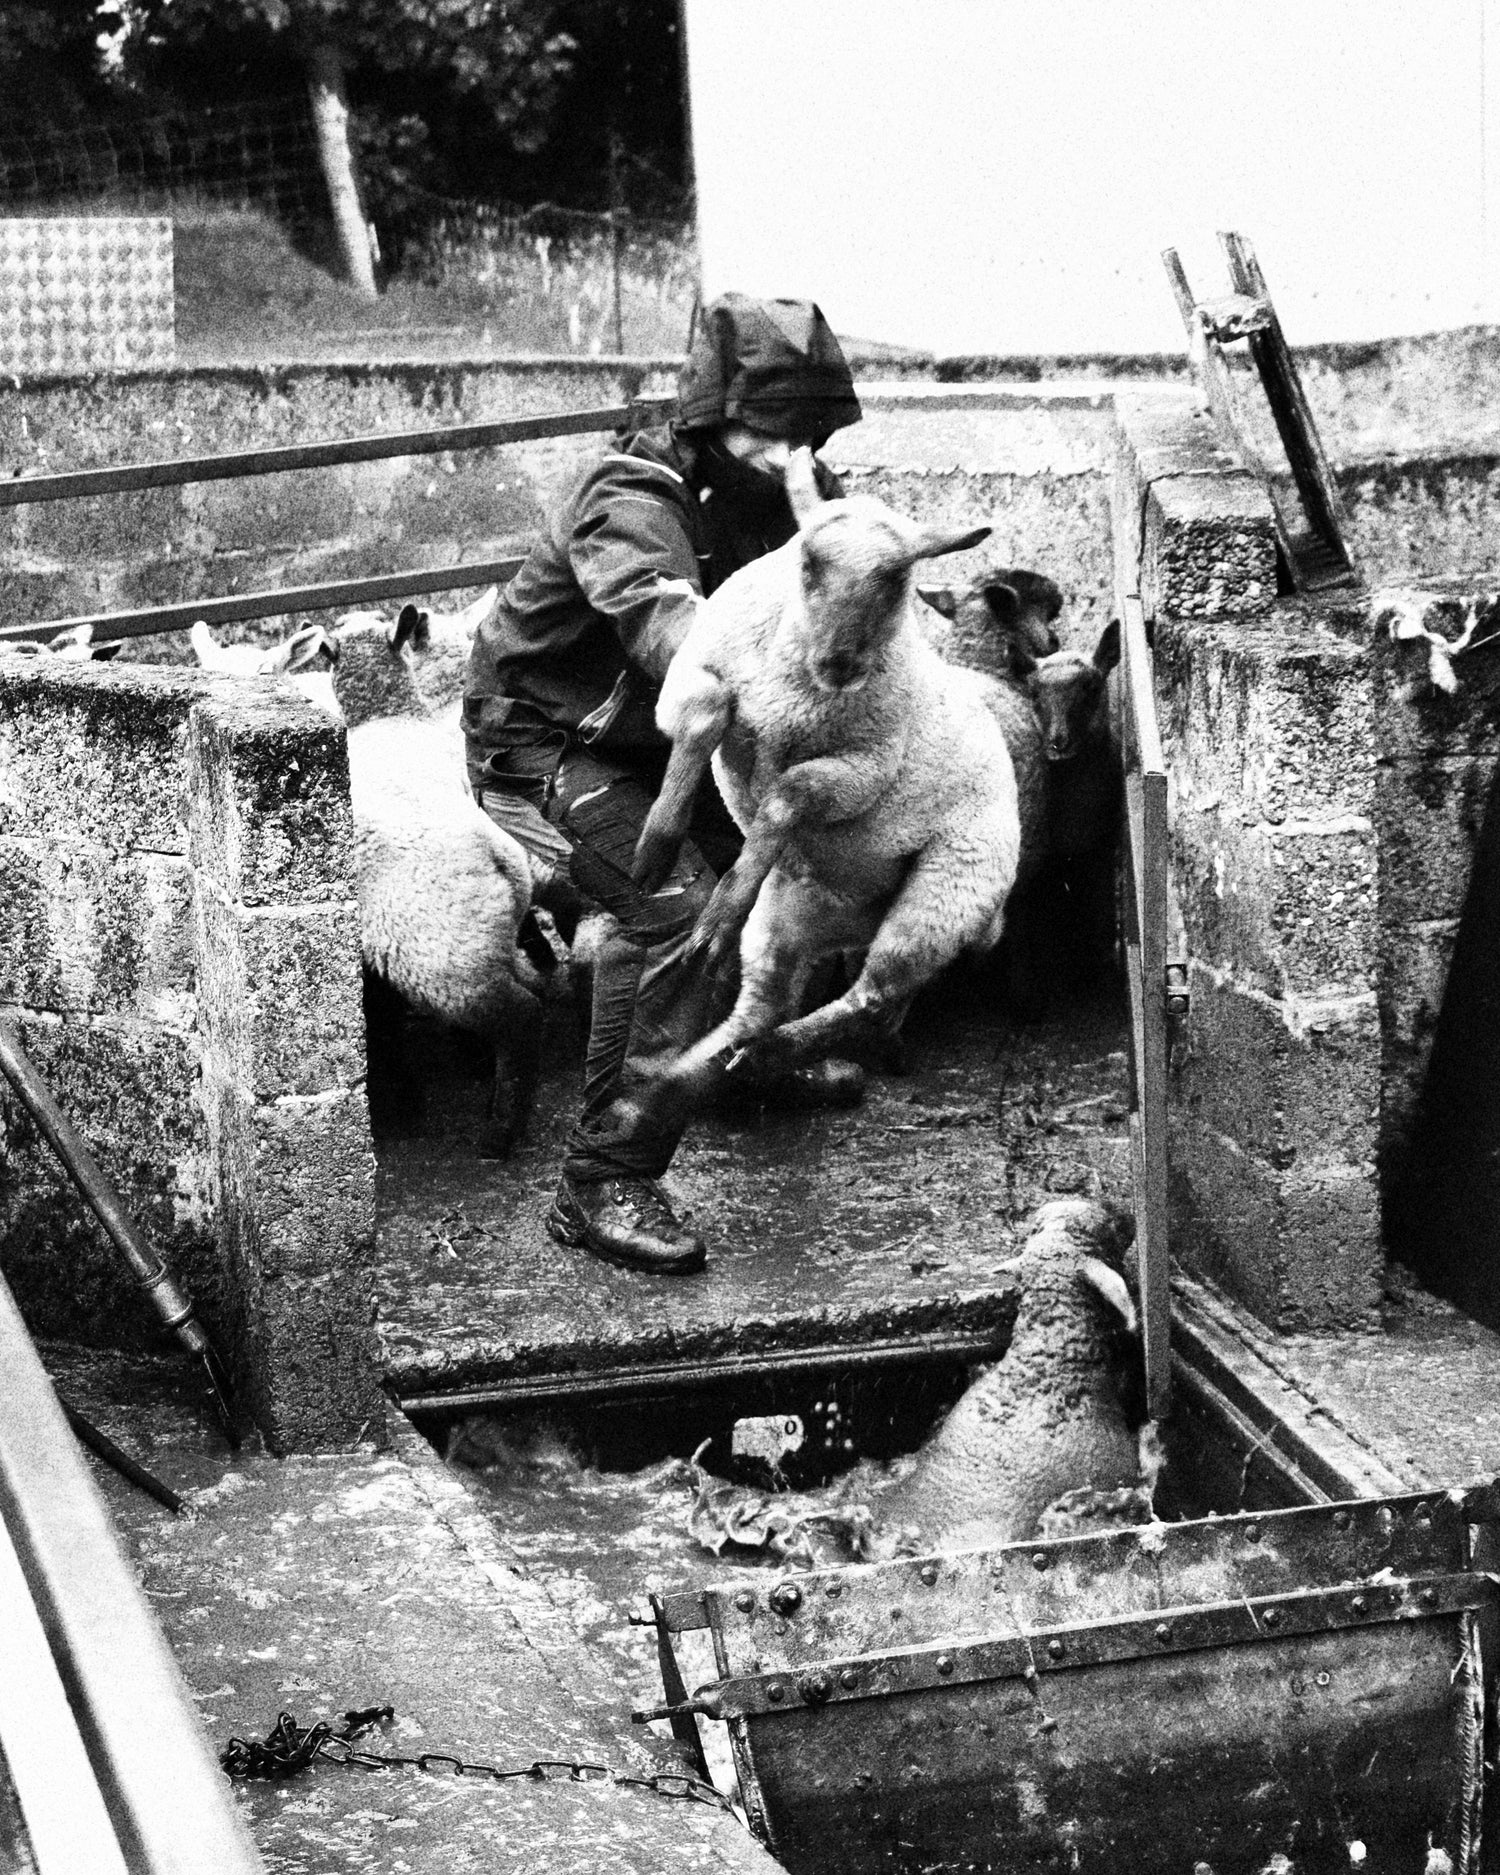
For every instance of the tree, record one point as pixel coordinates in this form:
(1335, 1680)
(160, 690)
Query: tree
(503, 57)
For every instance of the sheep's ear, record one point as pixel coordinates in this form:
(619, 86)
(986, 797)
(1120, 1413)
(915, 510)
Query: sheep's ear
(1109, 1286)
(928, 542)
(202, 640)
(308, 645)
(802, 486)
(411, 628)
(1107, 651)
(101, 654)
(942, 599)
(1003, 601)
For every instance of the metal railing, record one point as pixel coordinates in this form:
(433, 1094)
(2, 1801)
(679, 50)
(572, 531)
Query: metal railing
(102, 1745)
(145, 621)
(1145, 924)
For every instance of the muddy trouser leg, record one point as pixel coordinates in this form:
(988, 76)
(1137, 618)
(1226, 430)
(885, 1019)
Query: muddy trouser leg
(650, 1001)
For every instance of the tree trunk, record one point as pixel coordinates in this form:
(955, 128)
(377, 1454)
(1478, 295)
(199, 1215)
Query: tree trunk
(330, 108)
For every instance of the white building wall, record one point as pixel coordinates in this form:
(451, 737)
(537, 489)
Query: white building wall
(1001, 175)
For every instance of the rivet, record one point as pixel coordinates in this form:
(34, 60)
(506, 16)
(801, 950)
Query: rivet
(1324, 1679)
(944, 1664)
(833, 1589)
(1357, 1603)
(1424, 1518)
(786, 1598)
(815, 1688)
(929, 1573)
(744, 1601)
(775, 1692)
(848, 1679)
(1428, 1598)
(1252, 1532)
(1039, 1560)
(1341, 1520)
(1056, 1649)
(1164, 1630)
(1272, 1618)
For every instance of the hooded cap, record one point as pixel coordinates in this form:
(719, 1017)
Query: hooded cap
(773, 364)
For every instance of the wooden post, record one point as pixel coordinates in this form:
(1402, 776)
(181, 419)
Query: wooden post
(330, 109)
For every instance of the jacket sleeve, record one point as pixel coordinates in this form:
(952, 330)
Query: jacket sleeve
(634, 558)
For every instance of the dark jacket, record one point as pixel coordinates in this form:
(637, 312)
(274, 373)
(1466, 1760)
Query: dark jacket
(583, 634)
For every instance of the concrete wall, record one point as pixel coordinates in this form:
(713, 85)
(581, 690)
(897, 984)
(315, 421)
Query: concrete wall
(1326, 803)
(179, 952)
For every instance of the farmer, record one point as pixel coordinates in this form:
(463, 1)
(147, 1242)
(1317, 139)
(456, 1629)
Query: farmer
(564, 753)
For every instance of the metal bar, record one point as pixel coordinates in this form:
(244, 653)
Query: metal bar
(1147, 837)
(102, 1446)
(624, 1383)
(1316, 489)
(130, 477)
(171, 1305)
(1252, 1620)
(320, 598)
(171, 1809)
(67, 1826)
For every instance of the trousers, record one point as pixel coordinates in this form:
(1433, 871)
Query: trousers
(650, 1000)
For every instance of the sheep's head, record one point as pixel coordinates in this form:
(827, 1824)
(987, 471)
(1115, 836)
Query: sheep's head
(1020, 606)
(410, 666)
(856, 562)
(1078, 1244)
(1067, 690)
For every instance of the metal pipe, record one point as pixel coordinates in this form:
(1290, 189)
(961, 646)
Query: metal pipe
(167, 1799)
(78, 1162)
(102, 1446)
(130, 477)
(149, 620)
(679, 1376)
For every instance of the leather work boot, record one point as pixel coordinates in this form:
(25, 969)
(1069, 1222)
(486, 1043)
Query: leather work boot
(627, 1221)
(832, 1082)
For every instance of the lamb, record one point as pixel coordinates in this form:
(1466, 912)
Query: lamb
(297, 657)
(1010, 601)
(380, 678)
(873, 784)
(1047, 1424)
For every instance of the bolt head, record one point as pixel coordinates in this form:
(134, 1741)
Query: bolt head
(1357, 1603)
(848, 1679)
(1039, 1560)
(744, 1601)
(1272, 1618)
(1164, 1631)
(1428, 1598)
(816, 1687)
(786, 1598)
(775, 1692)
(1056, 1649)
(944, 1664)
(929, 1573)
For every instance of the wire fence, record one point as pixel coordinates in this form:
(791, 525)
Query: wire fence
(261, 154)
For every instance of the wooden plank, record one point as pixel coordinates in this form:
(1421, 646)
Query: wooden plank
(127, 478)
(150, 620)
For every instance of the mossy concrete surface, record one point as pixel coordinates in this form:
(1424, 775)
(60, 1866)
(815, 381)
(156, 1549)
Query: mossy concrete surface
(317, 1585)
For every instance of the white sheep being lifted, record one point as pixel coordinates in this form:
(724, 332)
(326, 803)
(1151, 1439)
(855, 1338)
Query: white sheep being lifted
(873, 785)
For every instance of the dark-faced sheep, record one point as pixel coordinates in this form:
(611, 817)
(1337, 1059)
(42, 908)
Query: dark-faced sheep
(1006, 604)
(873, 784)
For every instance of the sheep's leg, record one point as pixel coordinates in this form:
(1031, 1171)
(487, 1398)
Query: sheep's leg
(827, 789)
(694, 710)
(936, 914)
(518, 1064)
(792, 923)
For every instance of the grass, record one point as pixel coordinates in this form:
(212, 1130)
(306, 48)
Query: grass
(247, 291)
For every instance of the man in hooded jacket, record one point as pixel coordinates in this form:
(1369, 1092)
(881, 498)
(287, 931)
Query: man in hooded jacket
(563, 749)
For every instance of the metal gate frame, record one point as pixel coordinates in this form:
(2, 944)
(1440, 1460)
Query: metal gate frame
(179, 472)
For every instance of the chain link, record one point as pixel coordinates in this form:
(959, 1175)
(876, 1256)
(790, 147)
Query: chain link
(289, 1748)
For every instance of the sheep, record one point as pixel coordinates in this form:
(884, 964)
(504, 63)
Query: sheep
(1012, 601)
(295, 657)
(873, 784)
(73, 646)
(442, 890)
(1045, 1424)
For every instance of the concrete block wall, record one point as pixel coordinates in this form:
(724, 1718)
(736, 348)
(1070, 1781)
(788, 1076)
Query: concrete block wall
(179, 952)
(1268, 725)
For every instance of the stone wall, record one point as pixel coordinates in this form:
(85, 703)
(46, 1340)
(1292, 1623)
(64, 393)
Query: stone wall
(179, 953)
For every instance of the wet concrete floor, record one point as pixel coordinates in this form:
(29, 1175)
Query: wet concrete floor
(828, 1231)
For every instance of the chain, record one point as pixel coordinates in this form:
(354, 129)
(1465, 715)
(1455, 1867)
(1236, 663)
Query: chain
(289, 1748)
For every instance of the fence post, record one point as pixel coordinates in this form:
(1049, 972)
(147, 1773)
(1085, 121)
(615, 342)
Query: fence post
(330, 109)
